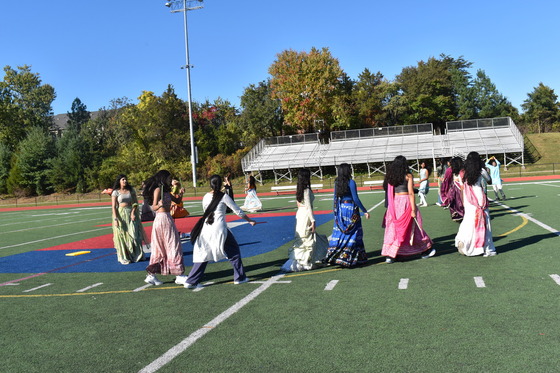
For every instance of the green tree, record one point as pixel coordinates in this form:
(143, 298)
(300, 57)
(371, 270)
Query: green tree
(490, 103)
(261, 115)
(371, 94)
(429, 90)
(24, 103)
(78, 115)
(306, 85)
(29, 175)
(542, 110)
(5, 158)
(67, 168)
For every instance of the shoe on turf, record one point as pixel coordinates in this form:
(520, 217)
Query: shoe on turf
(439, 204)
(152, 279)
(389, 260)
(490, 253)
(181, 279)
(193, 286)
(430, 254)
(241, 281)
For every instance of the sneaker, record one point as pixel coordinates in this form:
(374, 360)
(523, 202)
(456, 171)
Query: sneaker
(152, 279)
(389, 260)
(490, 253)
(430, 254)
(241, 281)
(181, 279)
(193, 286)
(439, 204)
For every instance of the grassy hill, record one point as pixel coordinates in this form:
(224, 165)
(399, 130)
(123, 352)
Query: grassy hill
(547, 145)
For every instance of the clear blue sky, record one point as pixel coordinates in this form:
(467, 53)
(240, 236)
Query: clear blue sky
(105, 49)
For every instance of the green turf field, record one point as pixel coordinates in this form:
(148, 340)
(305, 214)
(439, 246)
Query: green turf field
(448, 313)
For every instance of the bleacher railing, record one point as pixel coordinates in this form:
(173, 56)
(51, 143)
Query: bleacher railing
(409, 129)
(292, 139)
(474, 124)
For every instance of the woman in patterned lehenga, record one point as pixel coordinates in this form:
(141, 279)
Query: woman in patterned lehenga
(346, 246)
(167, 254)
(454, 190)
(309, 248)
(404, 235)
(128, 232)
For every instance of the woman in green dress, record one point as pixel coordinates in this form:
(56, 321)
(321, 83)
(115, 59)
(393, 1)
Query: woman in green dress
(128, 232)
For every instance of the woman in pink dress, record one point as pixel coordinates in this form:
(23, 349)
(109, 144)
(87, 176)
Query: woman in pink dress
(166, 252)
(404, 235)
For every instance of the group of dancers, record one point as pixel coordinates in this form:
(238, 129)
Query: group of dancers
(463, 191)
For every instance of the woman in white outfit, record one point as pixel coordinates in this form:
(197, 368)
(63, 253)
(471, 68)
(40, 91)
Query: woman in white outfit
(475, 232)
(309, 248)
(424, 187)
(212, 240)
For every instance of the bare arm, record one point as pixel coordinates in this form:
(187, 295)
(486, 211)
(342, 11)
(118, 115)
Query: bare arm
(409, 179)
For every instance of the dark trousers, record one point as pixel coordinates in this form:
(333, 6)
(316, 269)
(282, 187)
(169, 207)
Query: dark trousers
(234, 256)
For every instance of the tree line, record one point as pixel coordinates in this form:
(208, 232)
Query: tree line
(306, 92)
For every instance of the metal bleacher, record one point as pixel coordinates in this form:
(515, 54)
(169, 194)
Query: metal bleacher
(376, 146)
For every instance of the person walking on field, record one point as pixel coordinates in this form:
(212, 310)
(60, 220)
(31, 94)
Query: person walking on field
(404, 235)
(494, 166)
(212, 240)
(424, 187)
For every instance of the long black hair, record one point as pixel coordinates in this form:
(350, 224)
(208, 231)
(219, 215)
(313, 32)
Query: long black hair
(117, 183)
(208, 216)
(456, 165)
(162, 179)
(343, 178)
(473, 168)
(303, 182)
(252, 182)
(396, 172)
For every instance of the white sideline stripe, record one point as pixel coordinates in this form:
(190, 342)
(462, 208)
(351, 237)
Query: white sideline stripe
(479, 281)
(191, 339)
(53, 238)
(331, 284)
(89, 287)
(38, 287)
(403, 284)
(142, 288)
(556, 278)
(376, 206)
(537, 222)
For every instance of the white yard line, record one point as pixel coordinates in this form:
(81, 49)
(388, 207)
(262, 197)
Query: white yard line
(89, 287)
(537, 222)
(203, 285)
(54, 238)
(556, 278)
(179, 348)
(35, 227)
(479, 281)
(141, 288)
(331, 284)
(38, 287)
(403, 284)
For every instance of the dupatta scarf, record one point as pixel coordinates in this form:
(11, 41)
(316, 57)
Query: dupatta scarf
(404, 223)
(480, 218)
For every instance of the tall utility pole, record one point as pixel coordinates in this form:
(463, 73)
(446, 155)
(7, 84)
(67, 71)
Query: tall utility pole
(184, 6)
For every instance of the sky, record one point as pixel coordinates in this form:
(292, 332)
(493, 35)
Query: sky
(102, 50)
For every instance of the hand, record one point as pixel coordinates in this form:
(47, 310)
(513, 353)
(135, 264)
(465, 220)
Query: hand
(313, 227)
(132, 217)
(366, 215)
(413, 214)
(252, 222)
(116, 221)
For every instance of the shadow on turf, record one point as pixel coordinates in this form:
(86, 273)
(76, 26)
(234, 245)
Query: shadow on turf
(522, 242)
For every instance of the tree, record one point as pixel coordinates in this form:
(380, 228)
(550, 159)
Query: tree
(5, 158)
(489, 102)
(24, 103)
(542, 109)
(306, 84)
(370, 94)
(29, 175)
(429, 90)
(78, 116)
(262, 115)
(67, 168)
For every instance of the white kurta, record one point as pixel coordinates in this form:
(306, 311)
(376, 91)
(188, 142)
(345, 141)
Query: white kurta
(465, 239)
(309, 247)
(209, 246)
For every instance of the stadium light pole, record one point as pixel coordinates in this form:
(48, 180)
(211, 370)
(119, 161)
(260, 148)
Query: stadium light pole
(184, 6)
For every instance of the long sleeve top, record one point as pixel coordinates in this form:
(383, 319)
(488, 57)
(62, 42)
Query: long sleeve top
(494, 172)
(352, 195)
